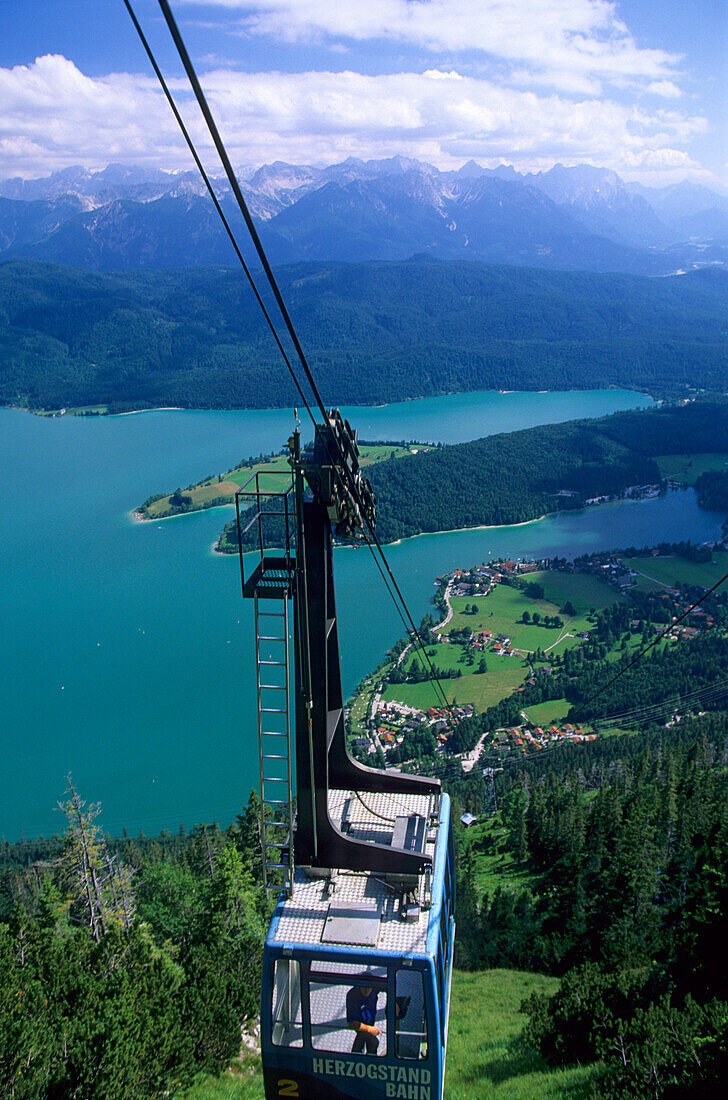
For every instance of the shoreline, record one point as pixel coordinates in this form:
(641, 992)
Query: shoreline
(55, 413)
(479, 527)
(157, 409)
(419, 535)
(138, 518)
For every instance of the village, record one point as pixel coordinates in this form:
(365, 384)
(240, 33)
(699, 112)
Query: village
(536, 612)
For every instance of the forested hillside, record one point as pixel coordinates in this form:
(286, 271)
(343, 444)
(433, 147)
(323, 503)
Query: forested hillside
(607, 867)
(514, 477)
(127, 966)
(503, 479)
(518, 476)
(624, 845)
(374, 332)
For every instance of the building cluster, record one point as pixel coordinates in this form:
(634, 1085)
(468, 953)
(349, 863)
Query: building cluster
(390, 721)
(632, 492)
(608, 567)
(486, 640)
(479, 580)
(526, 737)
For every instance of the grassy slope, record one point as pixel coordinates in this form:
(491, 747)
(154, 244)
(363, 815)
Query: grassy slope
(656, 573)
(582, 589)
(482, 691)
(546, 714)
(500, 612)
(688, 468)
(483, 1061)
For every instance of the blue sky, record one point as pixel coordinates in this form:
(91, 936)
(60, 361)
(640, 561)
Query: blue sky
(639, 86)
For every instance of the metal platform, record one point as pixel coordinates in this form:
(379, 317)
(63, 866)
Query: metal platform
(306, 918)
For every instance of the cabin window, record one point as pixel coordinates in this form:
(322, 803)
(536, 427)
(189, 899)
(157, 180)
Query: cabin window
(287, 1023)
(444, 931)
(448, 887)
(337, 1008)
(410, 1019)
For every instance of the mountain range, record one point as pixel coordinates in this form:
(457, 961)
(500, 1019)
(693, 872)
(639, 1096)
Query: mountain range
(579, 218)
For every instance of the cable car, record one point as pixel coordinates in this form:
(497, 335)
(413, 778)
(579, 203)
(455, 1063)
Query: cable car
(358, 958)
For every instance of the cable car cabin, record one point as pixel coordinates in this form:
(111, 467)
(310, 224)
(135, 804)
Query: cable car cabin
(357, 963)
(348, 950)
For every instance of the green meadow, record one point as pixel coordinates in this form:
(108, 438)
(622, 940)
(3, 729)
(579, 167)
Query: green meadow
(501, 612)
(550, 713)
(485, 1060)
(688, 468)
(583, 590)
(655, 573)
(483, 690)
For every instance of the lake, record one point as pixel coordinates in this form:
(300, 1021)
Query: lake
(126, 654)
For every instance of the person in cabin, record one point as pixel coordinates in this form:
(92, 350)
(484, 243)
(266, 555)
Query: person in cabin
(361, 1015)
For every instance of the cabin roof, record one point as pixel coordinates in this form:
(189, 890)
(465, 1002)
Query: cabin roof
(306, 918)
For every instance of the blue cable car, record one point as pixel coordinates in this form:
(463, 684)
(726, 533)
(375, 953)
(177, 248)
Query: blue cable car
(358, 959)
(346, 931)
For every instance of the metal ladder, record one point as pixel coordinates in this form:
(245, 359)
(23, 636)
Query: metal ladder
(272, 674)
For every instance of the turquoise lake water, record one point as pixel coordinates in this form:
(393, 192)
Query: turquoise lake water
(126, 649)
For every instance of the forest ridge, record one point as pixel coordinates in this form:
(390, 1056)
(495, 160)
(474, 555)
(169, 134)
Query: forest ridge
(373, 332)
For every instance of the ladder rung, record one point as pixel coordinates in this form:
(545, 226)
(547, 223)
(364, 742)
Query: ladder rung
(268, 649)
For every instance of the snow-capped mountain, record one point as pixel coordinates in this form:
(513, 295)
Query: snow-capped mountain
(579, 217)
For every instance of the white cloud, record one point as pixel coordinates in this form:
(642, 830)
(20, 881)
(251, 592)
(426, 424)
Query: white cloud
(665, 88)
(52, 115)
(574, 44)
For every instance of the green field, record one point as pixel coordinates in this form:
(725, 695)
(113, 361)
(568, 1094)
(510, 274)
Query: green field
(657, 573)
(501, 612)
(482, 691)
(484, 1058)
(369, 453)
(222, 488)
(582, 589)
(688, 468)
(544, 714)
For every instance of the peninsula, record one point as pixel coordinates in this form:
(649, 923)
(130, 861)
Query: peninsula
(220, 489)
